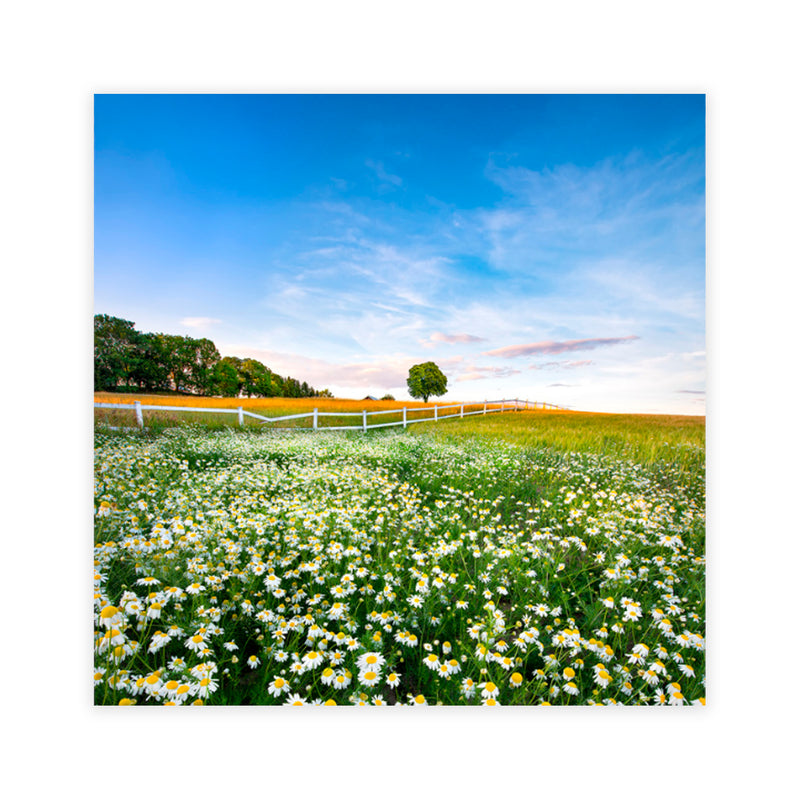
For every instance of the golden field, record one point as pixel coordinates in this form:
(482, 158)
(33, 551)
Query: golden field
(265, 406)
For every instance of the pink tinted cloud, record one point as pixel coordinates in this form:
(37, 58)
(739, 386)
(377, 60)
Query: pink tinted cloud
(553, 348)
(479, 373)
(562, 364)
(388, 372)
(320, 373)
(437, 337)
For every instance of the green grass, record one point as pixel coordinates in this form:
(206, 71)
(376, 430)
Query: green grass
(540, 571)
(645, 439)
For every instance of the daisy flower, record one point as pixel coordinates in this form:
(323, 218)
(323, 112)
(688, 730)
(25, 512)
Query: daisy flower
(488, 689)
(195, 643)
(342, 679)
(158, 640)
(327, 676)
(368, 678)
(312, 660)
(294, 700)
(431, 661)
(278, 687)
(419, 700)
(205, 687)
(676, 699)
(687, 670)
(602, 678)
(111, 617)
(370, 661)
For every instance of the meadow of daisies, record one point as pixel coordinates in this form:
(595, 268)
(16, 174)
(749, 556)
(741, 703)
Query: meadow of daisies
(242, 568)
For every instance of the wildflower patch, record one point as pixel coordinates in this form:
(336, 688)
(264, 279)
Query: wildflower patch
(236, 568)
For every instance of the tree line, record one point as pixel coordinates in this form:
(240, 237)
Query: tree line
(129, 360)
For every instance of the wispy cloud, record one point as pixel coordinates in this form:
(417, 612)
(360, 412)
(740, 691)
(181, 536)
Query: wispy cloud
(473, 373)
(437, 337)
(382, 174)
(562, 364)
(200, 322)
(320, 373)
(553, 348)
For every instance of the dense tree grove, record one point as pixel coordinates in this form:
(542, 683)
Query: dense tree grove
(128, 360)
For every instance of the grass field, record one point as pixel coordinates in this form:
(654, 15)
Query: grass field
(525, 559)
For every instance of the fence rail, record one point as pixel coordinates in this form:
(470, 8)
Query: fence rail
(486, 407)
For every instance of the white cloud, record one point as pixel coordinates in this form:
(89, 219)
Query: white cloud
(437, 337)
(200, 322)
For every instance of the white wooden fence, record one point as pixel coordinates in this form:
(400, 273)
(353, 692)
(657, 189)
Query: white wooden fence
(487, 407)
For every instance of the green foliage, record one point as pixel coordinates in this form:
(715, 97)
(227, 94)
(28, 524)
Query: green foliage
(116, 344)
(426, 380)
(127, 359)
(226, 377)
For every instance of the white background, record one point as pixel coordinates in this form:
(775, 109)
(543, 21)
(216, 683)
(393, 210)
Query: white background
(54, 56)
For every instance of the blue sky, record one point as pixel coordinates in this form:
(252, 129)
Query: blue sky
(549, 247)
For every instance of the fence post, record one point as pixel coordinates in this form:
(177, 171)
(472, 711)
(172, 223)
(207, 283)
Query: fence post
(484, 406)
(139, 418)
(316, 411)
(365, 420)
(436, 413)
(405, 423)
(462, 411)
(241, 417)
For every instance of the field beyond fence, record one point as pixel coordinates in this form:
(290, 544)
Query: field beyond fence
(125, 410)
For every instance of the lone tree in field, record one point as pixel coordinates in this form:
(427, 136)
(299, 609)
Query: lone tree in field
(425, 380)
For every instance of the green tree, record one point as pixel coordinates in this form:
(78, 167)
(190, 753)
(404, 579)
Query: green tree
(426, 380)
(116, 352)
(226, 377)
(152, 371)
(291, 387)
(189, 363)
(257, 378)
